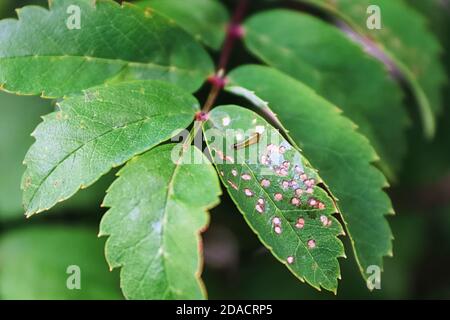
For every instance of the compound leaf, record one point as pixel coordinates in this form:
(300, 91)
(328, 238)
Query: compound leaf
(158, 206)
(337, 69)
(50, 52)
(206, 20)
(342, 156)
(94, 132)
(281, 196)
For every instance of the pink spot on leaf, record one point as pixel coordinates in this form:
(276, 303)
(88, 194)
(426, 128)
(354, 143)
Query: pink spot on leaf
(295, 202)
(300, 223)
(265, 183)
(312, 202)
(248, 192)
(278, 197)
(324, 220)
(276, 221)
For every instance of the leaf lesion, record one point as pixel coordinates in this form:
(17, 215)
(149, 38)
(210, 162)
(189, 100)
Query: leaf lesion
(310, 243)
(279, 189)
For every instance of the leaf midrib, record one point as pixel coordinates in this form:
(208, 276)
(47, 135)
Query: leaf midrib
(169, 194)
(124, 126)
(147, 65)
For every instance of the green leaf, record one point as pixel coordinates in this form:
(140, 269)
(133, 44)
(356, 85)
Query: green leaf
(34, 264)
(206, 20)
(158, 209)
(19, 115)
(436, 14)
(39, 54)
(281, 196)
(342, 156)
(94, 132)
(321, 56)
(407, 41)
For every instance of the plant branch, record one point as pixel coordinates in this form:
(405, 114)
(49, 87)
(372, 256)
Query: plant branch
(234, 32)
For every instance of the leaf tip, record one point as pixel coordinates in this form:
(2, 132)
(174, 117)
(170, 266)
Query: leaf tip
(29, 214)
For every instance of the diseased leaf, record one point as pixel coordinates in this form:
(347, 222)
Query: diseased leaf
(94, 132)
(38, 263)
(407, 41)
(342, 156)
(158, 206)
(206, 20)
(337, 69)
(40, 54)
(281, 196)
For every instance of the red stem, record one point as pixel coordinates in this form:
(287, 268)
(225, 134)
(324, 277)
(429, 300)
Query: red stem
(234, 32)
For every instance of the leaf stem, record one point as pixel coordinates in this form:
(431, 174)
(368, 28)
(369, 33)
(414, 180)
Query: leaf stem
(234, 32)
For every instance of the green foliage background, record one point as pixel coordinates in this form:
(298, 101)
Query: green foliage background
(34, 256)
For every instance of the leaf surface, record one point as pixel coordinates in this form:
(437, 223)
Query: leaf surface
(280, 195)
(337, 69)
(414, 49)
(158, 209)
(40, 54)
(342, 156)
(99, 130)
(206, 20)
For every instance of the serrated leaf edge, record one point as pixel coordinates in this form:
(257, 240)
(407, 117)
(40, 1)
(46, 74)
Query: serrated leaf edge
(374, 158)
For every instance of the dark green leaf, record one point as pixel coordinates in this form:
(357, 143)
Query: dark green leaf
(206, 20)
(20, 115)
(157, 212)
(338, 69)
(281, 196)
(408, 41)
(342, 156)
(94, 132)
(39, 54)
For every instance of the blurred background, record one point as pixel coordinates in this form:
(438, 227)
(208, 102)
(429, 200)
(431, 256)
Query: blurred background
(35, 253)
